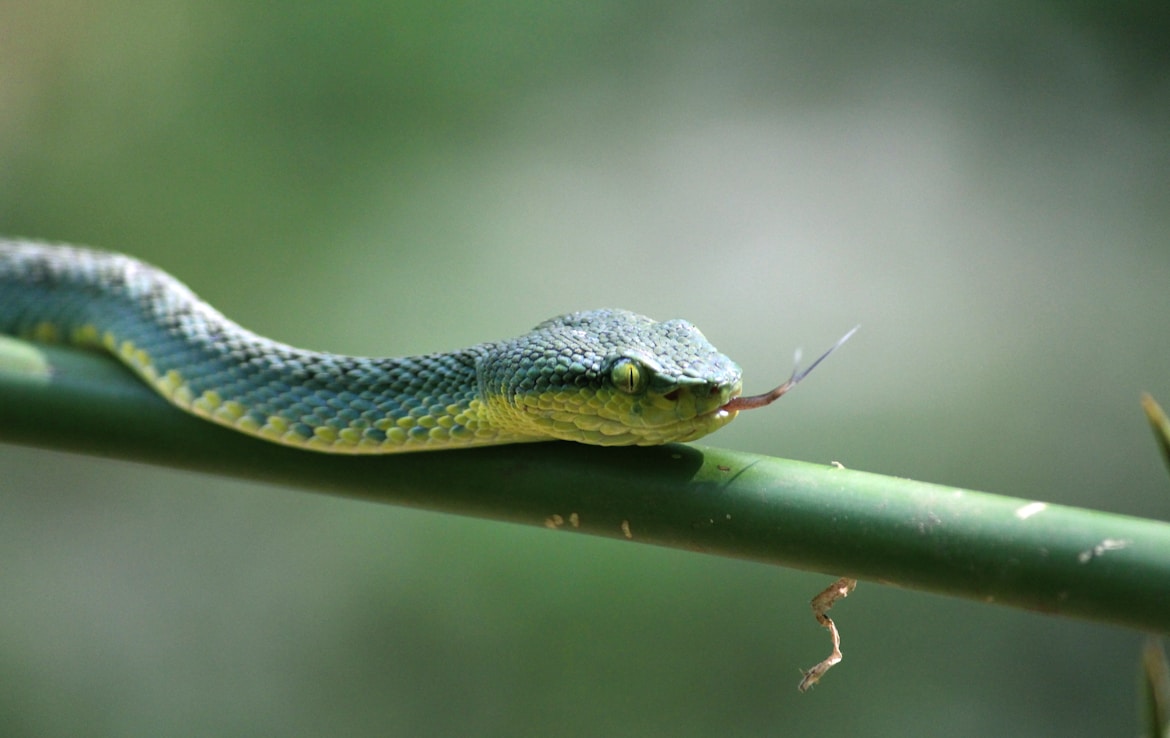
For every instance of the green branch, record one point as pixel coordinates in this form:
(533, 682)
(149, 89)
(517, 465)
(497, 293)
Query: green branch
(1049, 558)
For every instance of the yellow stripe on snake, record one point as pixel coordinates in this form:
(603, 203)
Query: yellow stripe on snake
(607, 377)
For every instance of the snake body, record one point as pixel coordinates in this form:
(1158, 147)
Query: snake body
(607, 377)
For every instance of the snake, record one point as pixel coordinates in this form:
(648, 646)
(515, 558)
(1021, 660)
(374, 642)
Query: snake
(603, 377)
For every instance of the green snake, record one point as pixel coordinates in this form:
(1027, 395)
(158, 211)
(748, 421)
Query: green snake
(606, 377)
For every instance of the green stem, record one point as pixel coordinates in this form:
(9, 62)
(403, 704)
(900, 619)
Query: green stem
(1048, 558)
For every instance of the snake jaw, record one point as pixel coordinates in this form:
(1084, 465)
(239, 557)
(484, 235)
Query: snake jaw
(727, 395)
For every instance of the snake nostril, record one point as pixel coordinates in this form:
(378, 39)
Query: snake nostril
(673, 395)
(714, 390)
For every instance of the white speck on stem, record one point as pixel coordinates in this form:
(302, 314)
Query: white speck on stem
(1031, 509)
(1102, 548)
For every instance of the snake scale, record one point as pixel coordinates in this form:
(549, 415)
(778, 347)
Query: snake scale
(607, 377)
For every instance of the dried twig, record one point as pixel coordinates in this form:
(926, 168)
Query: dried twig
(820, 605)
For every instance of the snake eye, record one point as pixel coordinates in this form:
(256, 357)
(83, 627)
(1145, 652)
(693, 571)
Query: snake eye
(628, 375)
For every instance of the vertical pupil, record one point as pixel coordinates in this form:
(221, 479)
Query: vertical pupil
(626, 376)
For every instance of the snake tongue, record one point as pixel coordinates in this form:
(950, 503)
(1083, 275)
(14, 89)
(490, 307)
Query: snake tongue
(751, 402)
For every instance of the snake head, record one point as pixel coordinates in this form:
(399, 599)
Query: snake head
(609, 377)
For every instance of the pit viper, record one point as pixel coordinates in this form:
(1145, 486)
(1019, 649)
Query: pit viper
(606, 377)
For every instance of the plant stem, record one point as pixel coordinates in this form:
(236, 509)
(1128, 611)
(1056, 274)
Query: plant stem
(1032, 555)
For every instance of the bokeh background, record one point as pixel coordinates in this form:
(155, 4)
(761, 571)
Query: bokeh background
(983, 187)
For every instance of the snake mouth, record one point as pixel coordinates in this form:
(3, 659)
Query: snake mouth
(718, 413)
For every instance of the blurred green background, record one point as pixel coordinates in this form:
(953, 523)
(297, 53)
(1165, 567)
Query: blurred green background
(985, 189)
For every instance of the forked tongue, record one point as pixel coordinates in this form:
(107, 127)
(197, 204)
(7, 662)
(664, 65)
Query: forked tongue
(754, 401)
